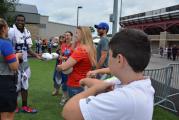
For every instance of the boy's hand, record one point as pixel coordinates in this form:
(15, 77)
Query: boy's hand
(91, 74)
(89, 82)
(103, 86)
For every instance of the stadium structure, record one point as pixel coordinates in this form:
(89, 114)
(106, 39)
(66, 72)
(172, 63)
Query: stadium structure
(162, 25)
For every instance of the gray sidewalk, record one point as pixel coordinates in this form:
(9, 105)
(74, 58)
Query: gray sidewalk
(157, 62)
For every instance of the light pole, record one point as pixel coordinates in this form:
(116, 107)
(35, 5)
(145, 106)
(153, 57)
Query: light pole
(120, 15)
(79, 7)
(115, 17)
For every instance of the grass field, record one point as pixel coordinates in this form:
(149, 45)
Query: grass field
(41, 86)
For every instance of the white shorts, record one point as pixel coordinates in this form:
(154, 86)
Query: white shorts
(23, 79)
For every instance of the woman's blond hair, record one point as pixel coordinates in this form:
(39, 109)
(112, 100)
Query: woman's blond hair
(3, 24)
(87, 41)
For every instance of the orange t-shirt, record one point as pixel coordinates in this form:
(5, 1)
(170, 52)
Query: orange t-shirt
(81, 68)
(64, 47)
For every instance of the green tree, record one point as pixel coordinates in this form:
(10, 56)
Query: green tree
(7, 5)
(10, 20)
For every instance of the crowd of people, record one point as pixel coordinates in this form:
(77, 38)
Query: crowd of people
(171, 52)
(45, 45)
(79, 71)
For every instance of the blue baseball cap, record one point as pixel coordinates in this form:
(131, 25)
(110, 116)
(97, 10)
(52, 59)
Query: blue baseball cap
(102, 25)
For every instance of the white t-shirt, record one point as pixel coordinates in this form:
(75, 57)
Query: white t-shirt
(127, 102)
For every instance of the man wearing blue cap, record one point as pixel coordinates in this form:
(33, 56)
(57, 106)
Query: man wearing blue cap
(102, 48)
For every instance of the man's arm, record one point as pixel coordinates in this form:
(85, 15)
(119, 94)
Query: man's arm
(102, 59)
(104, 52)
(33, 53)
(71, 110)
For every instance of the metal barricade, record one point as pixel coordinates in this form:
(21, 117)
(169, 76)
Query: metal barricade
(161, 81)
(174, 86)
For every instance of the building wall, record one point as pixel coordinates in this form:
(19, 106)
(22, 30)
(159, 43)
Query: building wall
(154, 47)
(34, 30)
(56, 29)
(51, 29)
(164, 40)
(43, 27)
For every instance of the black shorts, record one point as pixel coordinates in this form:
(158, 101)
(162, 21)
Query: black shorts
(8, 94)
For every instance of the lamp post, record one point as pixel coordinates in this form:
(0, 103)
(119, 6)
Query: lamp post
(79, 7)
(120, 15)
(115, 17)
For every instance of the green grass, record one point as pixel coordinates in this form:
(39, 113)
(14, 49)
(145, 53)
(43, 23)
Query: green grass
(161, 114)
(41, 86)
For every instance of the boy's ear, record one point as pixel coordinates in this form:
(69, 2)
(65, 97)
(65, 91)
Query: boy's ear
(120, 58)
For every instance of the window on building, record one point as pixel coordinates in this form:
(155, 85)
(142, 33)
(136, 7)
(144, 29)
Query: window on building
(42, 25)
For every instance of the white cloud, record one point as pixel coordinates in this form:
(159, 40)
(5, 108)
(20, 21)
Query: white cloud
(93, 11)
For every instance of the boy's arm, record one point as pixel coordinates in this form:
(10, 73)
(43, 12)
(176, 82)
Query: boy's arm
(71, 110)
(98, 71)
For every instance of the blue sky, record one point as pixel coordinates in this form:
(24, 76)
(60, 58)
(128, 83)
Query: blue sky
(93, 11)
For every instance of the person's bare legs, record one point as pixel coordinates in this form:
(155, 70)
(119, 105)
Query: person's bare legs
(7, 116)
(11, 115)
(3, 115)
(55, 92)
(24, 94)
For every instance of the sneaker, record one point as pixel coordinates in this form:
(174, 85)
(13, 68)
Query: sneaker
(27, 109)
(63, 100)
(17, 110)
(55, 92)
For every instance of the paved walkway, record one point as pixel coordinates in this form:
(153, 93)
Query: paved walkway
(157, 62)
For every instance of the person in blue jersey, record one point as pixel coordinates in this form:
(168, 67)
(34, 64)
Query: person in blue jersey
(8, 78)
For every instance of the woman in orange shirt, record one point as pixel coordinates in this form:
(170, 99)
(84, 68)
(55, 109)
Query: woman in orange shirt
(82, 60)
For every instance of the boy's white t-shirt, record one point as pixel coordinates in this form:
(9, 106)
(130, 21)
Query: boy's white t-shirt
(126, 102)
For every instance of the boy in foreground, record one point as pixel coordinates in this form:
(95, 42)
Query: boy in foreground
(131, 97)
